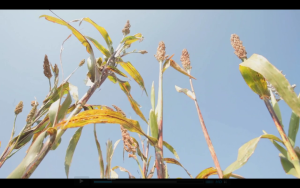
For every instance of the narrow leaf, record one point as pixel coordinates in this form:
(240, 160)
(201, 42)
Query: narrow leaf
(116, 70)
(178, 68)
(130, 69)
(124, 170)
(293, 128)
(153, 124)
(74, 92)
(101, 48)
(109, 151)
(288, 166)
(171, 149)
(206, 173)
(53, 110)
(70, 150)
(100, 158)
(174, 161)
(276, 107)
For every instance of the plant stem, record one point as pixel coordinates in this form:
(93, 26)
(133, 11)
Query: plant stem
(285, 139)
(207, 138)
(49, 85)
(159, 148)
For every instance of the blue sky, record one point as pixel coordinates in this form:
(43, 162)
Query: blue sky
(233, 114)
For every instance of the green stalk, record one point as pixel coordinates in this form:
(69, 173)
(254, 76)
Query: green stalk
(159, 148)
(286, 141)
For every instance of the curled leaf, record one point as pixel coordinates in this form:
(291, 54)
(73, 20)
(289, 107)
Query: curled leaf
(185, 91)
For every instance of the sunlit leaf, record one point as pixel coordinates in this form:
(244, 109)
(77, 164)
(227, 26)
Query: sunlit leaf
(185, 91)
(131, 39)
(64, 108)
(206, 173)
(246, 151)
(279, 147)
(166, 64)
(113, 175)
(56, 145)
(130, 69)
(116, 70)
(153, 124)
(255, 81)
(112, 78)
(53, 111)
(104, 116)
(104, 34)
(178, 68)
(101, 48)
(74, 92)
(109, 152)
(260, 64)
(79, 36)
(139, 150)
(70, 150)
(124, 85)
(174, 161)
(171, 149)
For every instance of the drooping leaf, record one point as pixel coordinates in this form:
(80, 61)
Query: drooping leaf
(153, 124)
(112, 77)
(125, 86)
(178, 68)
(104, 116)
(255, 81)
(79, 36)
(174, 161)
(293, 128)
(246, 151)
(116, 70)
(130, 69)
(70, 150)
(94, 107)
(276, 107)
(64, 108)
(204, 174)
(56, 145)
(139, 150)
(113, 175)
(279, 147)
(124, 170)
(100, 157)
(101, 48)
(104, 34)
(166, 64)
(171, 149)
(261, 65)
(185, 91)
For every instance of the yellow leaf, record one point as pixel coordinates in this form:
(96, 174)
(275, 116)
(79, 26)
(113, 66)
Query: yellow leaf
(79, 36)
(178, 68)
(130, 69)
(206, 172)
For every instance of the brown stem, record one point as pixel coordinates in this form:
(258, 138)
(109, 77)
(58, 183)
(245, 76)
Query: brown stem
(207, 138)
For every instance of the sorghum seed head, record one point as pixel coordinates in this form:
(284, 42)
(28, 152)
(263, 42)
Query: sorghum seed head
(237, 45)
(161, 51)
(56, 70)
(46, 66)
(143, 52)
(19, 108)
(126, 29)
(185, 59)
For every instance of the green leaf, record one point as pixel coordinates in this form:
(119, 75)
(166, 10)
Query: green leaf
(64, 108)
(153, 96)
(31, 155)
(255, 81)
(185, 91)
(101, 163)
(112, 77)
(56, 145)
(293, 128)
(70, 150)
(288, 166)
(91, 68)
(139, 150)
(153, 124)
(131, 39)
(174, 161)
(53, 110)
(171, 149)
(101, 48)
(109, 151)
(276, 107)
(261, 65)
(279, 147)
(130, 69)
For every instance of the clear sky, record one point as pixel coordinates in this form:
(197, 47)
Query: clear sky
(232, 113)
